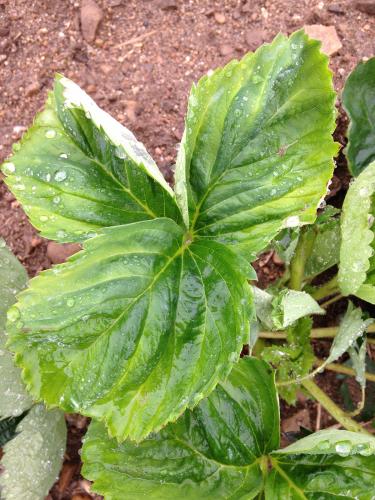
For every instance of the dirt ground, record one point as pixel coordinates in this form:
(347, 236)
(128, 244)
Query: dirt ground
(139, 67)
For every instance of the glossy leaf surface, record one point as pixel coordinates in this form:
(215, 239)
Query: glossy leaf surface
(256, 155)
(325, 252)
(211, 452)
(33, 458)
(14, 399)
(291, 305)
(357, 263)
(77, 170)
(359, 102)
(135, 328)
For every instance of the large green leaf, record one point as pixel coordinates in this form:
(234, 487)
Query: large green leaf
(359, 102)
(14, 399)
(77, 170)
(134, 329)
(212, 452)
(256, 155)
(357, 261)
(33, 458)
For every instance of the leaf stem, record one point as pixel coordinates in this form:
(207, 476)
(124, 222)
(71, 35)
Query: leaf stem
(336, 412)
(301, 254)
(345, 370)
(331, 301)
(326, 290)
(316, 333)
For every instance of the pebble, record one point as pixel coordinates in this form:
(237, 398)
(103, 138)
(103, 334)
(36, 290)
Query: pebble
(32, 89)
(327, 35)
(168, 4)
(254, 38)
(219, 18)
(91, 15)
(225, 50)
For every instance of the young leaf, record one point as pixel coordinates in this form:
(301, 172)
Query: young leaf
(359, 102)
(256, 155)
(291, 305)
(212, 452)
(357, 236)
(33, 458)
(77, 170)
(14, 399)
(358, 359)
(135, 328)
(351, 328)
(292, 360)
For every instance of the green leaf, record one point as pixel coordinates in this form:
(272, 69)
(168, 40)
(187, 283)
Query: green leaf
(77, 170)
(291, 305)
(279, 311)
(359, 102)
(358, 358)
(292, 360)
(325, 252)
(343, 443)
(134, 329)
(352, 327)
(327, 464)
(312, 477)
(357, 237)
(212, 452)
(33, 458)
(256, 155)
(14, 399)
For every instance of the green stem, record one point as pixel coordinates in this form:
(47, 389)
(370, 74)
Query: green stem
(336, 412)
(301, 254)
(346, 370)
(331, 301)
(329, 288)
(316, 333)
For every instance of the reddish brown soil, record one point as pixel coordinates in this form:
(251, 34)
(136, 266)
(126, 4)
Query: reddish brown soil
(140, 68)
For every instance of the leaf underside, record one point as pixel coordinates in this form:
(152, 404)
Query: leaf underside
(14, 399)
(359, 102)
(357, 262)
(138, 328)
(33, 458)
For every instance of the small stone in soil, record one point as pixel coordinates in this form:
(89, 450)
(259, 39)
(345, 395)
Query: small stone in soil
(225, 50)
(91, 15)
(254, 38)
(327, 35)
(219, 17)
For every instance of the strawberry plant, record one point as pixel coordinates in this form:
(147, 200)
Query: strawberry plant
(142, 330)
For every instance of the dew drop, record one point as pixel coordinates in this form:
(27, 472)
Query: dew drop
(56, 200)
(9, 168)
(61, 234)
(43, 218)
(70, 302)
(60, 175)
(292, 221)
(63, 155)
(50, 134)
(343, 448)
(13, 314)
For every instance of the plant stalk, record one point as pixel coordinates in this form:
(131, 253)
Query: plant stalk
(301, 254)
(345, 370)
(316, 333)
(336, 412)
(329, 288)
